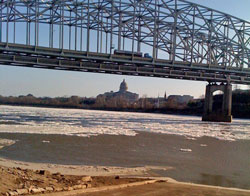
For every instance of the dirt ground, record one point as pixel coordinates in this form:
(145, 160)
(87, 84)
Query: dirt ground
(169, 189)
(16, 178)
(12, 179)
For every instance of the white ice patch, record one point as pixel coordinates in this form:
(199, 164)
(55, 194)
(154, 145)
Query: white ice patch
(185, 150)
(45, 141)
(6, 142)
(87, 123)
(191, 138)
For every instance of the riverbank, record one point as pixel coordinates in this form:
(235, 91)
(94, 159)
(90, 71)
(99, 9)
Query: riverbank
(163, 188)
(204, 160)
(23, 181)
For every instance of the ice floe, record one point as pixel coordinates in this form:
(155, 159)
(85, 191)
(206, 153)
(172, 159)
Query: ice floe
(86, 123)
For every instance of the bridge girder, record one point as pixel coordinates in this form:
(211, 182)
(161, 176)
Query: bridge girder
(174, 30)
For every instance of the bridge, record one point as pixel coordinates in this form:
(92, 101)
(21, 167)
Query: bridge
(183, 40)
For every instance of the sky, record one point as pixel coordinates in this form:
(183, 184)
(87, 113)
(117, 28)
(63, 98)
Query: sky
(40, 82)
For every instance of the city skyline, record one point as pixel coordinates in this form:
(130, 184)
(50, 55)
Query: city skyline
(18, 80)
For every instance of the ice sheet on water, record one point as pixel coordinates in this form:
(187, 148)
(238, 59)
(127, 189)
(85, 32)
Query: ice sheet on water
(91, 123)
(6, 142)
(45, 141)
(185, 150)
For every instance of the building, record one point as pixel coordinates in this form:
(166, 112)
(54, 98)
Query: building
(180, 99)
(122, 93)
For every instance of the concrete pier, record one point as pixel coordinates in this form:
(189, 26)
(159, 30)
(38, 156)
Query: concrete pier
(224, 115)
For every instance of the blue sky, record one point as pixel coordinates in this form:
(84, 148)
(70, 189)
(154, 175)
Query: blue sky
(39, 82)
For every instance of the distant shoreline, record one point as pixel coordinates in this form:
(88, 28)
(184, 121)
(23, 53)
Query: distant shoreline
(160, 105)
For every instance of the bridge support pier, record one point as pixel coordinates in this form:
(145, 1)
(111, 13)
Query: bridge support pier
(223, 115)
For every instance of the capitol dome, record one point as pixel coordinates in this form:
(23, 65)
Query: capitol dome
(123, 86)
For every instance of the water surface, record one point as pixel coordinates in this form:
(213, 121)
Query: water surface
(75, 122)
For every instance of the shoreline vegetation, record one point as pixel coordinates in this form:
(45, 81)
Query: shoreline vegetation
(240, 104)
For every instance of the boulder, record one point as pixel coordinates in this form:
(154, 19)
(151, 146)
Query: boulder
(58, 174)
(49, 189)
(37, 190)
(84, 186)
(87, 179)
(79, 182)
(75, 187)
(22, 191)
(58, 189)
(106, 169)
(44, 172)
(70, 189)
(12, 193)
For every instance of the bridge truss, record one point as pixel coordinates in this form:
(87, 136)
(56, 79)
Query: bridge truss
(185, 40)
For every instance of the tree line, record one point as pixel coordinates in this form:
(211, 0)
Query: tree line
(240, 103)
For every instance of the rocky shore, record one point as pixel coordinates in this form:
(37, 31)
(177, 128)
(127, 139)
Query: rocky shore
(17, 181)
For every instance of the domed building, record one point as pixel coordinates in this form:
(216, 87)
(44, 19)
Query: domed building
(122, 93)
(123, 86)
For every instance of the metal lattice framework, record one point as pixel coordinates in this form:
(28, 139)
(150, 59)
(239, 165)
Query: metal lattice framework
(180, 36)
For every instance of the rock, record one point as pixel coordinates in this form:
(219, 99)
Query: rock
(26, 185)
(84, 186)
(22, 191)
(58, 189)
(70, 189)
(106, 169)
(42, 190)
(117, 177)
(31, 187)
(161, 181)
(79, 182)
(57, 174)
(21, 186)
(34, 190)
(12, 193)
(88, 185)
(87, 179)
(44, 172)
(75, 187)
(50, 189)
(37, 190)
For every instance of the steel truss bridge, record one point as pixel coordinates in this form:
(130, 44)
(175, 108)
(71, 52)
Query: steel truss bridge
(185, 40)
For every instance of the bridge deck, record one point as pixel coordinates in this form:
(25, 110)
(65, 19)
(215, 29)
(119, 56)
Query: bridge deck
(51, 58)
